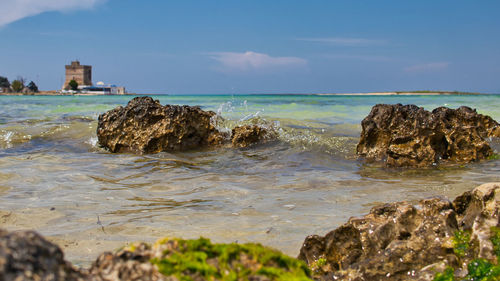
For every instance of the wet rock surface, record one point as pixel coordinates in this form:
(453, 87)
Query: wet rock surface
(145, 126)
(28, 256)
(126, 264)
(244, 136)
(409, 136)
(401, 241)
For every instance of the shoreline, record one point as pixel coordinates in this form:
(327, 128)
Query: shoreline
(395, 93)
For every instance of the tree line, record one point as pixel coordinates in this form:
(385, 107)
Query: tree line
(17, 86)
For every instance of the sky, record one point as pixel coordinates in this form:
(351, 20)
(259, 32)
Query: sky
(256, 46)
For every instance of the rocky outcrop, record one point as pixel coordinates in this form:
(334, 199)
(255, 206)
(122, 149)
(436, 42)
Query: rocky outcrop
(145, 126)
(28, 256)
(401, 241)
(409, 136)
(244, 136)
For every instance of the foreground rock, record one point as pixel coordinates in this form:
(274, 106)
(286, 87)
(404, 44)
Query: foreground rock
(409, 136)
(244, 136)
(127, 264)
(401, 241)
(177, 259)
(28, 256)
(145, 126)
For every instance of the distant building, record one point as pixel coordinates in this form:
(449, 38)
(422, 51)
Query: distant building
(102, 89)
(82, 74)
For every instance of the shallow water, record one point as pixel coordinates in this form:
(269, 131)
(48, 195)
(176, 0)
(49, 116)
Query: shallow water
(54, 178)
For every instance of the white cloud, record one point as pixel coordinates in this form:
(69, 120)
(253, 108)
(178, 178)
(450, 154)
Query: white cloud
(248, 61)
(427, 67)
(373, 58)
(13, 10)
(345, 41)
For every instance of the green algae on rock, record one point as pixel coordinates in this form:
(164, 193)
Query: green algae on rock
(202, 260)
(478, 268)
(199, 260)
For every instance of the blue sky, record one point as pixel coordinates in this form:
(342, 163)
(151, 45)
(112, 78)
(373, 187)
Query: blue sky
(254, 46)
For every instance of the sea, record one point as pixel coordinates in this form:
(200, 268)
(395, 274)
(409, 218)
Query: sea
(57, 180)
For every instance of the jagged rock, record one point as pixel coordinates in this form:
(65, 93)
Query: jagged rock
(126, 264)
(145, 126)
(409, 136)
(244, 136)
(401, 241)
(479, 211)
(28, 256)
(389, 243)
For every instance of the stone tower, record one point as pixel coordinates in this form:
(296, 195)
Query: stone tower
(82, 74)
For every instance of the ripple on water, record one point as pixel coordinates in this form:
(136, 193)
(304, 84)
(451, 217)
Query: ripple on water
(307, 183)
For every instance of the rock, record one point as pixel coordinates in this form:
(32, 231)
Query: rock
(478, 211)
(200, 260)
(409, 136)
(244, 136)
(127, 264)
(389, 243)
(401, 241)
(145, 126)
(28, 256)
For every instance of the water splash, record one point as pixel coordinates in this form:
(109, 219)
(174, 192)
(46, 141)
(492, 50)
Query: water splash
(92, 141)
(7, 139)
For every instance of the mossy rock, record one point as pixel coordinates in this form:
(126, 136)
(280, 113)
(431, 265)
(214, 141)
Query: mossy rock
(478, 268)
(202, 260)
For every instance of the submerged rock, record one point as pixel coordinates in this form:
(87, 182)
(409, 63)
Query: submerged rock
(28, 256)
(401, 241)
(244, 136)
(145, 126)
(409, 136)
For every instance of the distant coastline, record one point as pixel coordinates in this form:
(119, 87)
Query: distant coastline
(394, 93)
(406, 93)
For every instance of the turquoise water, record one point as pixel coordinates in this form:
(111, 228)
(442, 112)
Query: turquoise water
(55, 178)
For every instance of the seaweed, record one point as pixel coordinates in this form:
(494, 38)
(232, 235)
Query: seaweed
(495, 240)
(494, 156)
(317, 266)
(461, 243)
(190, 259)
(478, 269)
(446, 275)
